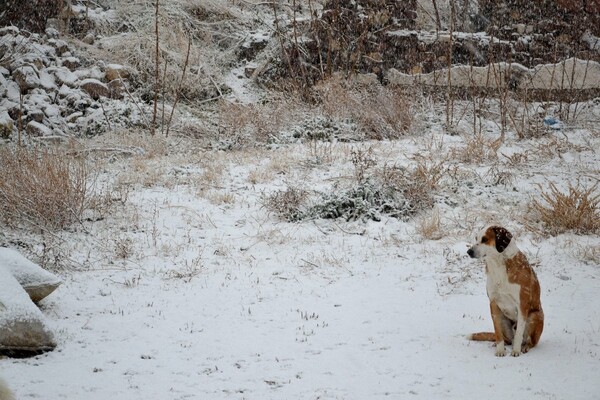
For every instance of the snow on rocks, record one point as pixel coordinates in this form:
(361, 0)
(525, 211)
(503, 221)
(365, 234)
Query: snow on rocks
(37, 129)
(37, 282)
(45, 83)
(23, 328)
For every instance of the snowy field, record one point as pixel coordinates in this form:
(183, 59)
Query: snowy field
(194, 290)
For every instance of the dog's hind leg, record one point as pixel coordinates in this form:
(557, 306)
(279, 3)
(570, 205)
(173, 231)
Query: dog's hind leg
(533, 331)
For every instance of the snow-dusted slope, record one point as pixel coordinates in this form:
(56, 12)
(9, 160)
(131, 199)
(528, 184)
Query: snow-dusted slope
(191, 294)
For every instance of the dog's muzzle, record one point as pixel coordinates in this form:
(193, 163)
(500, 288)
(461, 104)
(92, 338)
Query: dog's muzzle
(471, 253)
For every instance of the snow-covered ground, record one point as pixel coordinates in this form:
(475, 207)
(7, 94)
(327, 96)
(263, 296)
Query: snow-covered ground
(194, 290)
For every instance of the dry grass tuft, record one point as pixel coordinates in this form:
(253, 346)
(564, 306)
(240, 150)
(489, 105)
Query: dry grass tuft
(46, 189)
(419, 184)
(246, 125)
(578, 211)
(287, 204)
(477, 149)
(381, 112)
(430, 226)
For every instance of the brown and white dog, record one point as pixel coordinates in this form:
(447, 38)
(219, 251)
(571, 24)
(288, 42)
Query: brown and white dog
(513, 290)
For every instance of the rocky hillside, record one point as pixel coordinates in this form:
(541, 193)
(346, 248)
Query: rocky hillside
(81, 70)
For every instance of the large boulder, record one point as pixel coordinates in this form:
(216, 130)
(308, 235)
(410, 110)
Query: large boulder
(95, 88)
(37, 282)
(24, 330)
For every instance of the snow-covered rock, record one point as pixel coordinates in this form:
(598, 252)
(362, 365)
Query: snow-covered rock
(95, 88)
(27, 78)
(37, 129)
(37, 282)
(6, 124)
(23, 327)
(65, 76)
(72, 63)
(116, 71)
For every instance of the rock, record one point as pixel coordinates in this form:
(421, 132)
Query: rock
(95, 88)
(117, 89)
(9, 30)
(37, 116)
(116, 71)
(95, 73)
(47, 81)
(65, 76)
(254, 44)
(6, 125)
(60, 46)
(72, 63)
(37, 129)
(34, 60)
(52, 32)
(54, 24)
(37, 282)
(27, 78)
(23, 328)
(73, 117)
(90, 38)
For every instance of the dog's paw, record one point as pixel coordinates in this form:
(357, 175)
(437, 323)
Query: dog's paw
(500, 352)
(515, 353)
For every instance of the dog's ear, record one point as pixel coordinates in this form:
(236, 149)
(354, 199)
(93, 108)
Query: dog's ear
(503, 238)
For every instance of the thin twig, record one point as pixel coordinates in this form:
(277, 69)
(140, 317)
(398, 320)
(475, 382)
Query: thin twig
(156, 73)
(178, 93)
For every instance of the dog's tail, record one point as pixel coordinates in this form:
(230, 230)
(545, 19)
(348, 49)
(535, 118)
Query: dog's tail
(5, 393)
(482, 337)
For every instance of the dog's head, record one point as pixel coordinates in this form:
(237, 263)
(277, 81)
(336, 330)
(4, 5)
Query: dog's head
(492, 240)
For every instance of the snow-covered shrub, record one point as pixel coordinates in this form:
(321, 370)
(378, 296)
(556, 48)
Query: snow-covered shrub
(325, 129)
(577, 211)
(364, 201)
(393, 191)
(42, 188)
(374, 192)
(318, 128)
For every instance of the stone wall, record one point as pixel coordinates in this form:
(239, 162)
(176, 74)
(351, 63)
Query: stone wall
(572, 17)
(31, 15)
(352, 35)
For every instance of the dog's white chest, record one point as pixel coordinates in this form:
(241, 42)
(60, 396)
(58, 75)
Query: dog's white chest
(499, 289)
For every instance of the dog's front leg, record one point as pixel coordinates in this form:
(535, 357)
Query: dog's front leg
(519, 333)
(497, 319)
